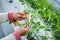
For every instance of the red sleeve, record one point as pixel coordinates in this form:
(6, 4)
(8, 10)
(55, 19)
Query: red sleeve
(10, 17)
(17, 35)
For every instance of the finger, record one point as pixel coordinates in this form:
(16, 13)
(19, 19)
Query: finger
(25, 26)
(28, 16)
(18, 15)
(20, 19)
(23, 15)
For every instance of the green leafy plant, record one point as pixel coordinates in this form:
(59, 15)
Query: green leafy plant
(42, 10)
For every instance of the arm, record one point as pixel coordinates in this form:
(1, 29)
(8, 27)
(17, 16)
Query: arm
(13, 36)
(11, 17)
(3, 17)
(17, 34)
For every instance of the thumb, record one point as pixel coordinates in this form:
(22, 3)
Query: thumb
(26, 25)
(27, 28)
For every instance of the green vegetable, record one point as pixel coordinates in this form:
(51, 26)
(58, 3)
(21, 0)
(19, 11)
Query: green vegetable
(20, 24)
(50, 16)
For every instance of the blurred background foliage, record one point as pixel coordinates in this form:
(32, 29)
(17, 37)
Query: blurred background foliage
(42, 11)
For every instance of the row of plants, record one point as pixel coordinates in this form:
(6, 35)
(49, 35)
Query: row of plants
(42, 11)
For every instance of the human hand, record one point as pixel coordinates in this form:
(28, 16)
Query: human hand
(23, 30)
(19, 16)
